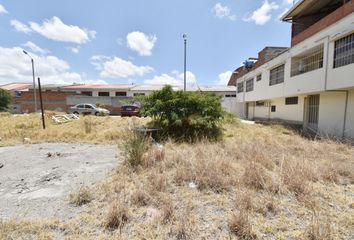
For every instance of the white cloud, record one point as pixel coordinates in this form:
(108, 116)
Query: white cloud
(2, 9)
(16, 67)
(221, 12)
(20, 27)
(35, 48)
(118, 67)
(224, 78)
(175, 78)
(75, 50)
(288, 2)
(262, 15)
(141, 43)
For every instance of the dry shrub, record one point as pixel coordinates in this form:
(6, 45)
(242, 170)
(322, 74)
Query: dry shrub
(244, 200)
(239, 224)
(88, 123)
(257, 177)
(317, 230)
(295, 176)
(157, 182)
(167, 210)
(140, 198)
(117, 215)
(181, 230)
(83, 196)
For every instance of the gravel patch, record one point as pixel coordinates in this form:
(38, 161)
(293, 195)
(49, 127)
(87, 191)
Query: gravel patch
(35, 180)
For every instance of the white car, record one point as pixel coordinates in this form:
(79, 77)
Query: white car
(87, 108)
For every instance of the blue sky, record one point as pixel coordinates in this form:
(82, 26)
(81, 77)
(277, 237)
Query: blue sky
(135, 41)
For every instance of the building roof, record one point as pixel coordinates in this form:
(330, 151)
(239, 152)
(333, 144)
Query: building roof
(100, 86)
(307, 7)
(16, 86)
(191, 87)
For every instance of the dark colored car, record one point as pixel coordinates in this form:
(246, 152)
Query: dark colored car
(130, 110)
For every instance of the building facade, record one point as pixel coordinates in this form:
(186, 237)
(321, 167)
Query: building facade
(311, 83)
(113, 97)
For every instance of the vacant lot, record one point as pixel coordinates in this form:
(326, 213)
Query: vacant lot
(260, 182)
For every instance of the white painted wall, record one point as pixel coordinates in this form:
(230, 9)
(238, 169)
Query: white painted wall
(229, 104)
(349, 131)
(331, 113)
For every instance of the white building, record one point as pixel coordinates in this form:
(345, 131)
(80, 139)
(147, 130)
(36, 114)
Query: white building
(311, 83)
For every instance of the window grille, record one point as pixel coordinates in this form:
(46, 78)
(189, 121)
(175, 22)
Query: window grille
(230, 95)
(240, 87)
(291, 101)
(277, 75)
(249, 85)
(260, 104)
(103, 94)
(121, 94)
(344, 51)
(308, 61)
(259, 77)
(273, 108)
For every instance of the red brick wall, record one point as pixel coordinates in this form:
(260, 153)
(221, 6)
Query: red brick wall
(52, 101)
(335, 16)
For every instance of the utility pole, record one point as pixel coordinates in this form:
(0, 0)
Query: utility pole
(185, 62)
(34, 81)
(41, 101)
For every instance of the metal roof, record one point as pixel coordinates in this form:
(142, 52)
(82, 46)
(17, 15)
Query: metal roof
(16, 86)
(101, 86)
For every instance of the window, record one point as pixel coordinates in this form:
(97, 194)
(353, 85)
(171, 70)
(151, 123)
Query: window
(344, 51)
(138, 94)
(80, 106)
(103, 94)
(276, 75)
(260, 104)
(291, 100)
(240, 87)
(121, 94)
(259, 77)
(86, 93)
(230, 95)
(88, 106)
(273, 108)
(249, 85)
(308, 61)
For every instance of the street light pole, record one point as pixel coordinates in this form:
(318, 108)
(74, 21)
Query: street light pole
(34, 81)
(185, 61)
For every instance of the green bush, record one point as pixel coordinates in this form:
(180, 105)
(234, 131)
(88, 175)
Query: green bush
(134, 148)
(184, 116)
(5, 99)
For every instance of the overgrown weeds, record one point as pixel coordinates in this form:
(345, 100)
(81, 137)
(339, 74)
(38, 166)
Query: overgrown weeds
(83, 196)
(135, 146)
(117, 216)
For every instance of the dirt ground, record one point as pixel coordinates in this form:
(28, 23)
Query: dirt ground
(36, 180)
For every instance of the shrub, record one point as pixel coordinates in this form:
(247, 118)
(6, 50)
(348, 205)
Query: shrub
(184, 116)
(117, 215)
(83, 196)
(240, 225)
(134, 148)
(5, 99)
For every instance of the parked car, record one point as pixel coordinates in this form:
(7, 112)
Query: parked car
(130, 110)
(86, 108)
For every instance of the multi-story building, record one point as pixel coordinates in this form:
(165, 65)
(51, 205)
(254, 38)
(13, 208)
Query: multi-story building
(311, 83)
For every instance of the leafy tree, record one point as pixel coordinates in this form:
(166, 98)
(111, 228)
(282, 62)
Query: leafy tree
(5, 99)
(184, 116)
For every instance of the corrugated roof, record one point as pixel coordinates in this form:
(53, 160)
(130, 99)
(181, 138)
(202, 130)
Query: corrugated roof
(102, 86)
(16, 86)
(194, 87)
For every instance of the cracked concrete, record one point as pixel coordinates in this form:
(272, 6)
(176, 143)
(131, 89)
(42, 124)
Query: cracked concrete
(35, 180)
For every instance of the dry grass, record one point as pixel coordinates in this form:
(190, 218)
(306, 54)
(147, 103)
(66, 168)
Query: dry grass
(117, 215)
(89, 129)
(240, 225)
(83, 196)
(261, 182)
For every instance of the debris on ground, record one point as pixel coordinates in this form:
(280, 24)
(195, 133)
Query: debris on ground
(64, 118)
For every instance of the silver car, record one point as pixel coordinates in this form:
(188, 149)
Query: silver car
(87, 108)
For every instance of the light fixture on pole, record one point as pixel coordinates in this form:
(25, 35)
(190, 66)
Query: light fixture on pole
(185, 61)
(34, 81)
